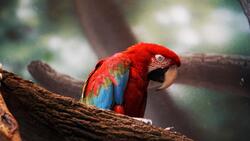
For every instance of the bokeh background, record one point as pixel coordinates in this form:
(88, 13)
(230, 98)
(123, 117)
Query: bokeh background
(50, 30)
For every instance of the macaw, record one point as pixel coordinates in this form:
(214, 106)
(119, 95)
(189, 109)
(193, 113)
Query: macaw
(120, 82)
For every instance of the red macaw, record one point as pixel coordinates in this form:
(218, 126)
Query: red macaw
(120, 82)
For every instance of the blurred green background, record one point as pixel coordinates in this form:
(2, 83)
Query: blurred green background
(49, 30)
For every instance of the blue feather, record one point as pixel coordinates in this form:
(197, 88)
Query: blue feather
(104, 98)
(120, 87)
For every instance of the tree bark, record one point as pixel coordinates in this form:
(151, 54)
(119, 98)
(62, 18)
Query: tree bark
(8, 125)
(75, 121)
(219, 72)
(245, 4)
(104, 25)
(55, 81)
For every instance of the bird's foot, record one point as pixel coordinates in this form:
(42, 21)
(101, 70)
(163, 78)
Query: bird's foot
(145, 120)
(169, 128)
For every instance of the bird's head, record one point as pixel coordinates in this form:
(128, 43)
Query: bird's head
(161, 62)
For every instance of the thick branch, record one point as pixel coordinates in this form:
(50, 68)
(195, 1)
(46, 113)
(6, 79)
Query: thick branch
(76, 121)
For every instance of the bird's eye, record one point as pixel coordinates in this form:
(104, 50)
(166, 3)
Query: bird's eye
(159, 57)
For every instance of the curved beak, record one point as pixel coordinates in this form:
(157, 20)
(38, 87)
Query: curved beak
(169, 77)
(166, 76)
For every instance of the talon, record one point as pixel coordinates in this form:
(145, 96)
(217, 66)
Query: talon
(147, 121)
(169, 128)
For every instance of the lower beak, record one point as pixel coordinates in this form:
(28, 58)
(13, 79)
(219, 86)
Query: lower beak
(169, 77)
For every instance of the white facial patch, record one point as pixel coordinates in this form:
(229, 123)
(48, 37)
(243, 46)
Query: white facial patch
(158, 61)
(159, 58)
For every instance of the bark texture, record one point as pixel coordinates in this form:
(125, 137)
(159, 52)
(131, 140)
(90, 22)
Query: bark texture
(74, 121)
(104, 25)
(8, 125)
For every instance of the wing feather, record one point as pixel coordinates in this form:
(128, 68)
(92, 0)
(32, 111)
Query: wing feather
(106, 85)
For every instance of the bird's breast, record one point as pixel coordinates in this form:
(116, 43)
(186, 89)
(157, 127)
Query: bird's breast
(135, 97)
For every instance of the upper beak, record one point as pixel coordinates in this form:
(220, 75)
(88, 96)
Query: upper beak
(166, 75)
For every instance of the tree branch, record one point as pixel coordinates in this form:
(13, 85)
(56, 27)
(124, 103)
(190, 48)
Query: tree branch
(218, 72)
(55, 81)
(75, 121)
(8, 125)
